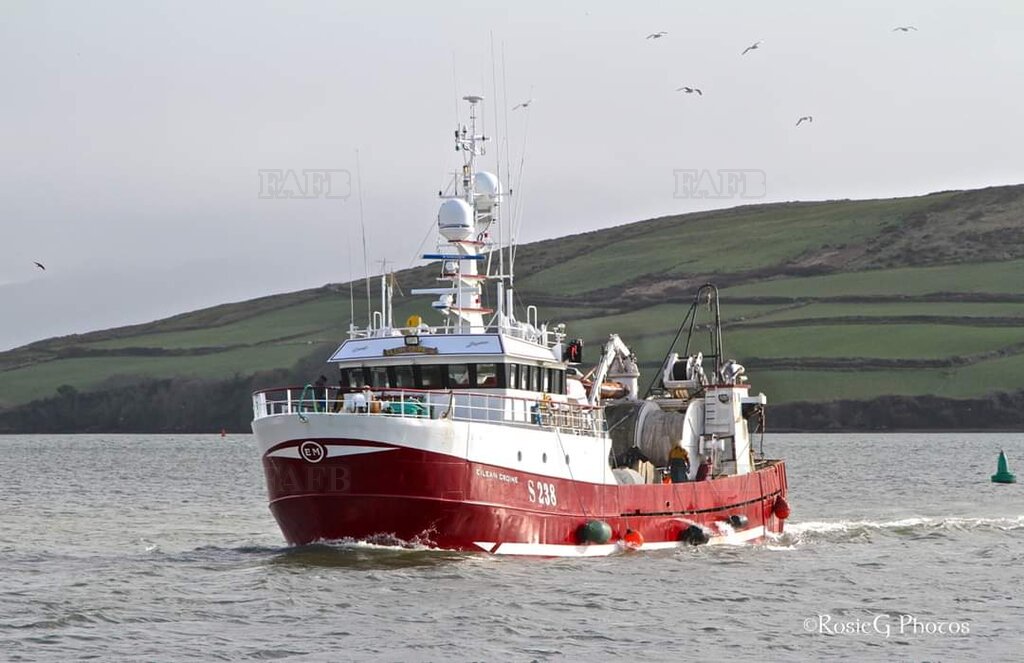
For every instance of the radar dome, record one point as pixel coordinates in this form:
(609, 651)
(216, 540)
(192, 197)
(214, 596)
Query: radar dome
(455, 220)
(487, 188)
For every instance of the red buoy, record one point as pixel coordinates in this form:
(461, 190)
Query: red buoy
(633, 539)
(781, 508)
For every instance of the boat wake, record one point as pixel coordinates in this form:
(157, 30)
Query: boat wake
(863, 531)
(378, 552)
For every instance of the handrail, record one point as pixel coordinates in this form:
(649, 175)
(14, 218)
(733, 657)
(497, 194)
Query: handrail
(544, 412)
(302, 399)
(549, 398)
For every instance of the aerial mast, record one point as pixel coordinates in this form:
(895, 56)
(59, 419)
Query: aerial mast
(463, 220)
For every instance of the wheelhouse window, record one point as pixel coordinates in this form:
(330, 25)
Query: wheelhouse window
(379, 377)
(430, 376)
(459, 376)
(487, 376)
(532, 378)
(557, 381)
(353, 378)
(402, 377)
(440, 376)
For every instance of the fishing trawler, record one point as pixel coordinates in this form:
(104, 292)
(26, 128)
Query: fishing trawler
(480, 431)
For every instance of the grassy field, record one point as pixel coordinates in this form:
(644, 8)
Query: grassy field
(995, 278)
(910, 342)
(310, 320)
(656, 320)
(882, 341)
(957, 382)
(83, 373)
(636, 280)
(752, 238)
(964, 310)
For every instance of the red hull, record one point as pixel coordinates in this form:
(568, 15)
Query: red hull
(445, 502)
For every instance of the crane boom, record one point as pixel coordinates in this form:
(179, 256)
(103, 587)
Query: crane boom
(615, 350)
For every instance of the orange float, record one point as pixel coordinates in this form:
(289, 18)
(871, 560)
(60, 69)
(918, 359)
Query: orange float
(633, 539)
(781, 508)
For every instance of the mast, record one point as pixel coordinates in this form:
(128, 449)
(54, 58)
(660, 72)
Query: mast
(463, 222)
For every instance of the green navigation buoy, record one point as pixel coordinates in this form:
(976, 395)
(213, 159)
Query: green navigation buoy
(1003, 473)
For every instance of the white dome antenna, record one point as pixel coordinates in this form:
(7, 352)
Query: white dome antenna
(455, 220)
(487, 189)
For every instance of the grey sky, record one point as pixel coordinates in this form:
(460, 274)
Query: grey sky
(132, 132)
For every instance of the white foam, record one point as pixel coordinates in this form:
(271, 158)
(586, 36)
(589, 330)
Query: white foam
(948, 522)
(364, 544)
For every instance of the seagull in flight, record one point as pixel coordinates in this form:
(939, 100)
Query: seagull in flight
(689, 90)
(523, 105)
(808, 118)
(40, 266)
(657, 35)
(752, 47)
(904, 28)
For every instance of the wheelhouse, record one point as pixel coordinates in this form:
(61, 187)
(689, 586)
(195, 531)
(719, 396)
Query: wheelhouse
(456, 375)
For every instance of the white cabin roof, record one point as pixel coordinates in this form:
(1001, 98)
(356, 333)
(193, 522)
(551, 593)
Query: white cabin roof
(466, 347)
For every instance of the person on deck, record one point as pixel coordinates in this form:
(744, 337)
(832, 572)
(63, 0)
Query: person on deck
(679, 464)
(320, 392)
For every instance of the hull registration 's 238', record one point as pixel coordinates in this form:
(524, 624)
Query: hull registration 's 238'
(482, 433)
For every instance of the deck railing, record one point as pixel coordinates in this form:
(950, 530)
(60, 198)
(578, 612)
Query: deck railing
(546, 337)
(457, 405)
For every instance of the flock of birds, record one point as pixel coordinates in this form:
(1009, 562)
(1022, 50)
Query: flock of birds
(689, 89)
(686, 89)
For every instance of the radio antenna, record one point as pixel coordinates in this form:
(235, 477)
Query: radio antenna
(497, 160)
(362, 226)
(511, 216)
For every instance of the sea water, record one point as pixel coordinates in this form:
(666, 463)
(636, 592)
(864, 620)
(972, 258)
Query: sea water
(161, 548)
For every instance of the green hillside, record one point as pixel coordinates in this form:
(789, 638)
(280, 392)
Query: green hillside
(821, 301)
